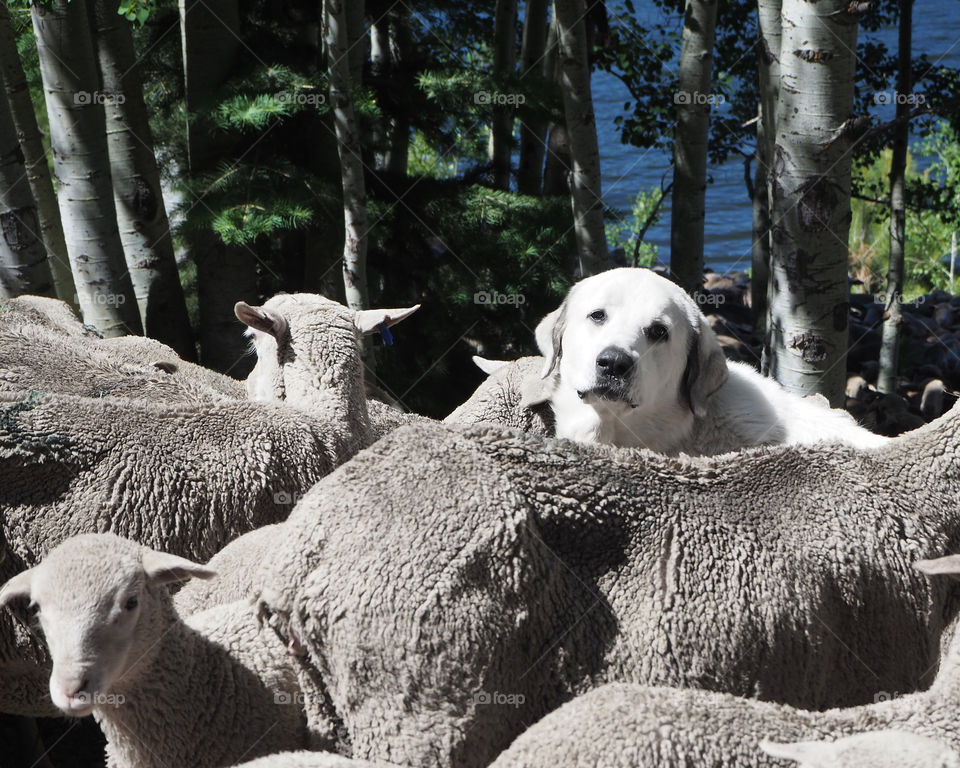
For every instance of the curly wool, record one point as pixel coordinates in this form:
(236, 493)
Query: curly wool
(527, 571)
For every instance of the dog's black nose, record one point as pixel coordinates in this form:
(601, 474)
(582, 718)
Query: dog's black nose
(614, 362)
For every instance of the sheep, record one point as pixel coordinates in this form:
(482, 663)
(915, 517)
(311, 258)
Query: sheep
(510, 396)
(187, 477)
(877, 749)
(646, 727)
(204, 692)
(44, 312)
(444, 567)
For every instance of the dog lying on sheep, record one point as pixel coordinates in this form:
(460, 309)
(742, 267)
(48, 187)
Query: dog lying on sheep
(544, 568)
(631, 361)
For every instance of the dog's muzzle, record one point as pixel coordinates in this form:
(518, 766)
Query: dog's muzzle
(614, 368)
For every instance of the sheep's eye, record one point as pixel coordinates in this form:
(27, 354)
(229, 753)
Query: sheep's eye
(598, 316)
(657, 332)
(131, 603)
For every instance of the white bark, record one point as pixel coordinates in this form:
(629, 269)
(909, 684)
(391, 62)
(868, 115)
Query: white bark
(71, 87)
(141, 216)
(35, 162)
(351, 165)
(504, 63)
(768, 18)
(809, 295)
(890, 346)
(693, 99)
(24, 268)
(585, 187)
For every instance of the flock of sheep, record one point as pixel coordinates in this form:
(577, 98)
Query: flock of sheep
(366, 587)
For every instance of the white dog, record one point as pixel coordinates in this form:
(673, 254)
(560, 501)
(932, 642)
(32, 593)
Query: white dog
(631, 361)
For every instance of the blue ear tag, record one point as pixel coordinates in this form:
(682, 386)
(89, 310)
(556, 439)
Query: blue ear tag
(385, 334)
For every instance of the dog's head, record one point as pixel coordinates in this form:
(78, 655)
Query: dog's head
(630, 336)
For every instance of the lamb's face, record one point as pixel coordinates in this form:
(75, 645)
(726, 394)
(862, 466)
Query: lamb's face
(100, 604)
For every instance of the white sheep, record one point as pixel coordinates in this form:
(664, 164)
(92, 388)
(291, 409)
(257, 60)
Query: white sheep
(187, 477)
(205, 692)
(511, 396)
(875, 749)
(444, 568)
(635, 726)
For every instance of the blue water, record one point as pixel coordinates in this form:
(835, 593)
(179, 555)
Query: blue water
(727, 235)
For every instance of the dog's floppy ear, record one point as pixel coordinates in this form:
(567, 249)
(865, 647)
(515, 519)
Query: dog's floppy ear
(706, 368)
(549, 334)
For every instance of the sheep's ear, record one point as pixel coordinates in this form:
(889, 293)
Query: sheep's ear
(940, 565)
(534, 391)
(18, 586)
(706, 368)
(162, 568)
(801, 751)
(261, 319)
(372, 320)
(549, 335)
(489, 366)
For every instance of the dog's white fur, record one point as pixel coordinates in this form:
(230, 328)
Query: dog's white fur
(681, 395)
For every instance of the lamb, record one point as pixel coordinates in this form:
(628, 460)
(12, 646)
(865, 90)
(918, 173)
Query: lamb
(537, 569)
(511, 396)
(204, 692)
(188, 477)
(877, 749)
(670, 728)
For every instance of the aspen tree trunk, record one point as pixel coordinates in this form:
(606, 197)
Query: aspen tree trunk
(24, 268)
(556, 165)
(693, 99)
(585, 187)
(533, 130)
(351, 167)
(141, 216)
(504, 63)
(82, 168)
(768, 18)
(35, 162)
(890, 345)
(810, 201)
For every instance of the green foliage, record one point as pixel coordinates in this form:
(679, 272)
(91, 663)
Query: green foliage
(933, 195)
(623, 231)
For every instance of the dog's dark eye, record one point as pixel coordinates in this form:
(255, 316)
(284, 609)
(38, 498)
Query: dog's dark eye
(33, 610)
(131, 603)
(657, 332)
(598, 316)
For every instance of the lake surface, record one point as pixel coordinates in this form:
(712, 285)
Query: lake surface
(727, 235)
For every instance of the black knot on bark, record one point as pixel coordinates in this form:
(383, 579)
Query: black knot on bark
(812, 348)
